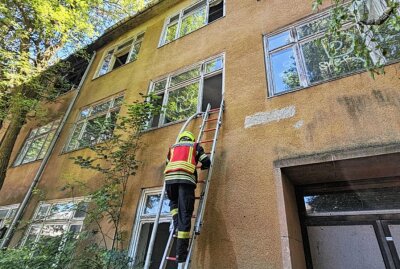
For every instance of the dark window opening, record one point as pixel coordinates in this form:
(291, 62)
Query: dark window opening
(212, 92)
(159, 246)
(120, 60)
(215, 11)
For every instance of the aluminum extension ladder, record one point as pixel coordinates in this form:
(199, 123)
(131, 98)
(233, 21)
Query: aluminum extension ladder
(202, 198)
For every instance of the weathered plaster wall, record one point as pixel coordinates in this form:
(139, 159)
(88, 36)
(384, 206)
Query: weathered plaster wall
(19, 178)
(242, 227)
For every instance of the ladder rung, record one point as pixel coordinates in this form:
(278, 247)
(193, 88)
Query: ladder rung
(206, 141)
(201, 181)
(214, 109)
(211, 119)
(197, 198)
(171, 258)
(209, 130)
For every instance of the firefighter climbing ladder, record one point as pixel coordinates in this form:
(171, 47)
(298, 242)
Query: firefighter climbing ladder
(202, 198)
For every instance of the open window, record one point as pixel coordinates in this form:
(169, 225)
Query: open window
(191, 18)
(189, 90)
(120, 55)
(146, 214)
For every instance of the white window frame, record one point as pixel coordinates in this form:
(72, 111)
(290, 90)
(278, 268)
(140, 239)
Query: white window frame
(295, 43)
(85, 120)
(181, 15)
(40, 223)
(19, 160)
(136, 39)
(11, 211)
(144, 219)
(200, 79)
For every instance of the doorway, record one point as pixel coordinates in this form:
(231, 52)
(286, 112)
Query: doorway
(351, 224)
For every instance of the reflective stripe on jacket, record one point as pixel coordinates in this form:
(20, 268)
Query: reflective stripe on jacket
(182, 157)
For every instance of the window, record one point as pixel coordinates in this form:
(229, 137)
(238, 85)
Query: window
(53, 219)
(37, 143)
(95, 124)
(301, 55)
(7, 214)
(191, 19)
(121, 54)
(146, 214)
(188, 91)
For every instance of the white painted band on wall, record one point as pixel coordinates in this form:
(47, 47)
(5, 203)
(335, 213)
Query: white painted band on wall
(269, 116)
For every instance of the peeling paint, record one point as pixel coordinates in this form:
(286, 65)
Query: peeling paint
(298, 124)
(269, 116)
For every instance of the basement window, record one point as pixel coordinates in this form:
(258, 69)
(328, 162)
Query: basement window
(120, 55)
(37, 143)
(95, 124)
(191, 18)
(188, 91)
(301, 55)
(146, 214)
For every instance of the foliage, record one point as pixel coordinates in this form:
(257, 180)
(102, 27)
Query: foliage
(59, 252)
(114, 161)
(376, 32)
(36, 34)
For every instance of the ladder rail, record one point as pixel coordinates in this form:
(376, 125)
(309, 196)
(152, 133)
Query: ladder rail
(209, 174)
(202, 203)
(168, 248)
(157, 220)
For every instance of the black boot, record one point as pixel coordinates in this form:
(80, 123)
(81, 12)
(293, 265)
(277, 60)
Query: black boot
(182, 249)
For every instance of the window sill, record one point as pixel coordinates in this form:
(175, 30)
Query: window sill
(327, 81)
(119, 67)
(23, 164)
(163, 126)
(165, 44)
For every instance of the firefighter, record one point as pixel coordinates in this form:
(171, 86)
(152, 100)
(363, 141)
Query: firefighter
(181, 178)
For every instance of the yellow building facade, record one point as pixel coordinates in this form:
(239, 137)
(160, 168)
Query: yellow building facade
(300, 142)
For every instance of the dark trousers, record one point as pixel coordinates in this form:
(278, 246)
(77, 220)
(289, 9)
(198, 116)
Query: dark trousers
(181, 198)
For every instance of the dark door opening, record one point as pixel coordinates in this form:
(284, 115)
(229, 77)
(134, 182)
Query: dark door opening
(353, 225)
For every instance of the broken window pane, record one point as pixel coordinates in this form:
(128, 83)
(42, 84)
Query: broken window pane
(278, 40)
(193, 73)
(284, 71)
(182, 103)
(193, 21)
(326, 59)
